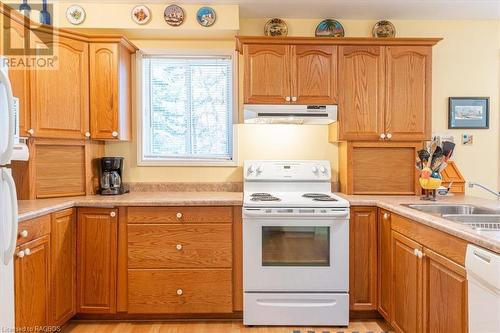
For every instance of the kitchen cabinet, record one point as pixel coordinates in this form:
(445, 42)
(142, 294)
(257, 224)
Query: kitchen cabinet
(63, 266)
(60, 97)
(97, 260)
(384, 264)
(379, 168)
(363, 258)
(407, 284)
(283, 74)
(361, 94)
(385, 93)
(110, 89)
(32, 284)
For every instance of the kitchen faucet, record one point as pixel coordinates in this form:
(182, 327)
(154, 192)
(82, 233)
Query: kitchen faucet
(471, 185)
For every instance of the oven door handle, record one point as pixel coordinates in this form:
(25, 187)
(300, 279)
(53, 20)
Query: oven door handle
(293, 213)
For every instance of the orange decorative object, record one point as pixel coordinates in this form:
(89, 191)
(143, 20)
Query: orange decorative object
(452, 174)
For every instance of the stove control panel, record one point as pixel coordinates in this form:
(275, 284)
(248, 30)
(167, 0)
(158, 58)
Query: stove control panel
(287, 170)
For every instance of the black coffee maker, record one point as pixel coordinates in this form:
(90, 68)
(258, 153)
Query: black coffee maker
(111, 176)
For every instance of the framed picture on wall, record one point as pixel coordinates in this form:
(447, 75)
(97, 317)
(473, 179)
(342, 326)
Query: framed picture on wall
(469, 112)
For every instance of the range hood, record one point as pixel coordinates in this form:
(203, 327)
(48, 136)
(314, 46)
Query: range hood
(290, 114)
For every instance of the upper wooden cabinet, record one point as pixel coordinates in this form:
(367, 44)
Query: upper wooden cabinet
(60, 96)
(385, 93)
(110, 90)
(283, 74)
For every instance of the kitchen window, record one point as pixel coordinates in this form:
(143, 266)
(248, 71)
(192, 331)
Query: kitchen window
(188, 105)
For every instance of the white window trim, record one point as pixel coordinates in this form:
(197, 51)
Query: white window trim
(140, 110)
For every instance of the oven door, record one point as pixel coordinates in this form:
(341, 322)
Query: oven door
(296, 254)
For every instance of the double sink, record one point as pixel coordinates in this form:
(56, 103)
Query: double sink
(478, 218)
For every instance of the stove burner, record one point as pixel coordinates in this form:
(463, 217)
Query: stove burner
(324, 199)
(269, 198)
(260, 194)
(315, 195)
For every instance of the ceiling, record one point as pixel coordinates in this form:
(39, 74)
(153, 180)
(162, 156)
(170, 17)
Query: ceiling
(353, 9)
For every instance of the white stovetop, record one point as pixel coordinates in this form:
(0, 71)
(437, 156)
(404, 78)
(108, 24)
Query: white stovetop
(294, 199)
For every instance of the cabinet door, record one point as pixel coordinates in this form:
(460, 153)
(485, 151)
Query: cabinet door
(408, 92)
(96, 257)
(32, 284)
(363, 258)
(63, 263)
(361, 92)
(59, 97)
(266, 74)
(407, 284)
(314, 74)
(384, 264)
(444, 295)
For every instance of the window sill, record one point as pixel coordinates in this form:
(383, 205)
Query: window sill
(188, 163)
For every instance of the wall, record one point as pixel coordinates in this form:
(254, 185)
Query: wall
(465, 63)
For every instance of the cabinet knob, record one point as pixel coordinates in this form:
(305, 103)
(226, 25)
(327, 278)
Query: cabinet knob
(178, 247)
(294, 99)
(31, 131)
(179, 216)
(23, 234)
(112, 214)
(415, 252)
(382, 136)
(179, 292)
(114, 134)
(287, 98)
(420, 254)
(389, 136)
(386, 216)
(87, 134)
(20, 254)
(27, 252)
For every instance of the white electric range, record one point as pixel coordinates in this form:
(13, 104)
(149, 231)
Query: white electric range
(295, 245)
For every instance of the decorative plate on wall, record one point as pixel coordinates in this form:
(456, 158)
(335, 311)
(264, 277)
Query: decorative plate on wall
(174, 15)
(329, 28)
(384, 29)
(276, 27)
(141, 14)
(75, 14)
(206, 16)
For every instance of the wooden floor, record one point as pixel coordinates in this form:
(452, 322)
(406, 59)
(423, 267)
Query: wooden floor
(213, 327)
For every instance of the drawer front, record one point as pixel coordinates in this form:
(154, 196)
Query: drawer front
(33, 229)
(180, 291)
(180, 214)
(179, 246)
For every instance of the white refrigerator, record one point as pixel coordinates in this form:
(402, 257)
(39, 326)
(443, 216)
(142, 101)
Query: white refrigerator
(8, 201)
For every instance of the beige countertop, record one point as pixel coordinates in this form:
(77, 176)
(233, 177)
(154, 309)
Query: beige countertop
(490, 240)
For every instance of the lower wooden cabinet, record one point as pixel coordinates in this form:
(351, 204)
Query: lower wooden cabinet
(32, 284)
(63, 266)
(384, 264)
(363, 258)
(97, 260)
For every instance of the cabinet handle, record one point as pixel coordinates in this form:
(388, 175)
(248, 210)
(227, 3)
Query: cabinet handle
(20, 254)
(389, 136)
(386, 216)
(114, 134)
(31, 131)
(287, 98)
(178, 247)
(294, 99)
(87, 134)
(112, 214)
(27, 252)
(179, 292)
(23, 234)
(382, 136)
(179, 216)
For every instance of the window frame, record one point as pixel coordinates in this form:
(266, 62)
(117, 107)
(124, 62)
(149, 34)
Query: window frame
(139, 106)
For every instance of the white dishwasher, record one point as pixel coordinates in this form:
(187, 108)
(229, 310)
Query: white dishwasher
(483, 275)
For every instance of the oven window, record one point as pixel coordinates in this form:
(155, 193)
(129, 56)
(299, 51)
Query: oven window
(295, 246)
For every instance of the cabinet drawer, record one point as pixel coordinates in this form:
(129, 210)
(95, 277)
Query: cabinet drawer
(180, 291)
(33, 229)
(180, 214)
(179, 245)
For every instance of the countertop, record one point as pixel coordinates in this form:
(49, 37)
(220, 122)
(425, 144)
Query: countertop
(29, 209)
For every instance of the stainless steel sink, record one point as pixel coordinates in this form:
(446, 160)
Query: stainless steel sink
(446, 209)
